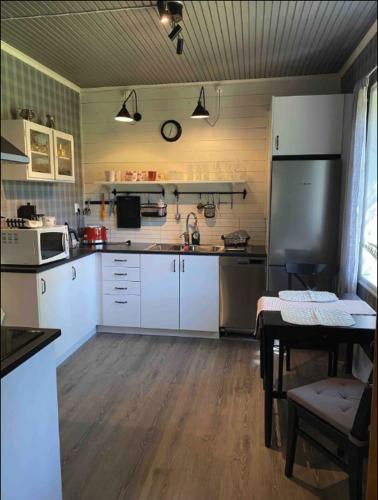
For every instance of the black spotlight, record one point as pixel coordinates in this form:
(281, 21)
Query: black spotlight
(175, 32)
(180, 46)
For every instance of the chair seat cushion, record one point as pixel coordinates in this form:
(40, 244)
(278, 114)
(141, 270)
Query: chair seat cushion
(334, 400)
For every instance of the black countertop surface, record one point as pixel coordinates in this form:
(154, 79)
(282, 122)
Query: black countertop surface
(83, 251)
(18, 344)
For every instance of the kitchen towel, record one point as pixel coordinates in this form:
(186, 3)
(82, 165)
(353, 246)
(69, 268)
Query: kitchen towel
(316, 316)
(307, 296)
(128, 211)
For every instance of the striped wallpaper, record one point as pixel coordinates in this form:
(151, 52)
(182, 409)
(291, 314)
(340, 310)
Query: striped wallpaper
(25, 87)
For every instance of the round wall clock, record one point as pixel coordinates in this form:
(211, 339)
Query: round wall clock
(171, 130)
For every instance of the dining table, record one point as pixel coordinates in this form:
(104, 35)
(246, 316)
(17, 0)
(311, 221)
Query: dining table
(272, 329)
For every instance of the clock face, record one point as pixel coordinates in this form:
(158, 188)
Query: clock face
(171, 130)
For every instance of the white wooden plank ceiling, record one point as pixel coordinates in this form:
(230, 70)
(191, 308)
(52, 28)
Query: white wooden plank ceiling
(224, 40)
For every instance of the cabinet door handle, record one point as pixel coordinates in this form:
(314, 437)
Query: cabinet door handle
(120, 274)
(174, 265)
(74, 275)
(120, 301)
(183, 266)
(120, 260)
(277, 142)
(120, 288)
(43, 286)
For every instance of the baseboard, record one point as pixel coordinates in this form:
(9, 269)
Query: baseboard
(75, 347)
(157, 332)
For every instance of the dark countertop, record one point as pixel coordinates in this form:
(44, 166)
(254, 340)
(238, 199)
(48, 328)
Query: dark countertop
(83, 251)
(18, 344)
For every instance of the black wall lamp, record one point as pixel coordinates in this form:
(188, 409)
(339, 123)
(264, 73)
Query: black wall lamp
(201, 111)
(124, 115)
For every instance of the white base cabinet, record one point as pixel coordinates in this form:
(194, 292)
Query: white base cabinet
(121, 290)
(160, 282)
(180, 292)
(199, 293)
(63, 297)
(30, 450)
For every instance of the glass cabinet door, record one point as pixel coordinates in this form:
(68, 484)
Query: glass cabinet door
(64, 156)
(40, 148)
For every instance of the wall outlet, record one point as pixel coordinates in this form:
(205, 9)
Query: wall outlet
(77, 208)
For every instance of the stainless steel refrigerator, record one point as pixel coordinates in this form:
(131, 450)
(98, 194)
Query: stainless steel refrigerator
(303, 217)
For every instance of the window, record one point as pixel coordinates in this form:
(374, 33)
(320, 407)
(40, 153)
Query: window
(368, 257)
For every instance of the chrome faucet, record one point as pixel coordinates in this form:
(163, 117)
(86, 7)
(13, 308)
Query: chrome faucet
(186, 234)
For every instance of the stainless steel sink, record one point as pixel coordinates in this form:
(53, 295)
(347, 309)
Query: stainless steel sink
(167, 247)
(162, 247)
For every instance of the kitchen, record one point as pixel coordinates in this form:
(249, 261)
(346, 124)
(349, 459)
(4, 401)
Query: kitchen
(174, 171)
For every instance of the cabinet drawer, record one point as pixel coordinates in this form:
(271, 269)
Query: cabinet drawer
(121, 273)
(121, 287)
(121, 259)
(121, 310)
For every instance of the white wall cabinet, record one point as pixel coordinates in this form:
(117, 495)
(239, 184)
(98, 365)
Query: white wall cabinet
(199, 293)
(160, 281)
(307, 125)
(51, 152)
(180, 292)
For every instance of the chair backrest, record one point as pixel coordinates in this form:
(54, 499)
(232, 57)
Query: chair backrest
(362, 369)
(301, 270)
(360, 429)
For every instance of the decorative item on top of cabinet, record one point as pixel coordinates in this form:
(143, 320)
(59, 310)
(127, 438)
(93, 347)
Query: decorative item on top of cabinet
(50, 122)
(51, 152)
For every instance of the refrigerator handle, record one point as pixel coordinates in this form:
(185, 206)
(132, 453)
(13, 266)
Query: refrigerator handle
(277, 142)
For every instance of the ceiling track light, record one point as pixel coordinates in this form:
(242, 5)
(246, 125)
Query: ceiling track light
(175, 32)
(201, 112)
(180, 46)
(170, 11)
(124, 116)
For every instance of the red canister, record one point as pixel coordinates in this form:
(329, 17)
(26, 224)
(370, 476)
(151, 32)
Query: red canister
(94, 234)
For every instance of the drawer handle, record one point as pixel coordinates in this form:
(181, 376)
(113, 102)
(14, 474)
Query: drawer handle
(120, 274)
(120, 301)
(120, 260)
(120, 288)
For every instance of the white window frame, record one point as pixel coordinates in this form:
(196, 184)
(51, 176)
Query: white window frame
(361, 279)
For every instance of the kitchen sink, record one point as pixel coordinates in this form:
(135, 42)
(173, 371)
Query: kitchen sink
(167, 247)
(162, 247)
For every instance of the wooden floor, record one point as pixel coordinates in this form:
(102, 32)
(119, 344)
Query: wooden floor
(164, 418)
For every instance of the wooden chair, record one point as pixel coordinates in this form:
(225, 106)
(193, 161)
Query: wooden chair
(339, 409)
(303, 273)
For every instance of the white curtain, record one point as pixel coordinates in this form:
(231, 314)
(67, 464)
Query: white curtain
(354, 192)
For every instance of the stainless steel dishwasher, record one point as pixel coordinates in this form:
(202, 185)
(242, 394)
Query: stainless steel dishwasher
(242, 282)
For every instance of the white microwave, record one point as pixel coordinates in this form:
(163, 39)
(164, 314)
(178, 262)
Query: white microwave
(34, 246)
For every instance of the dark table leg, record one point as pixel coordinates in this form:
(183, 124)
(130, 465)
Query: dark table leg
(349, 358)
(268, 387)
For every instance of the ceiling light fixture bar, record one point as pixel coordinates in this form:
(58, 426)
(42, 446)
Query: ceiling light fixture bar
(81, 13)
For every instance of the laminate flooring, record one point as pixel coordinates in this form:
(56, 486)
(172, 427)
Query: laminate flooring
(167, 418)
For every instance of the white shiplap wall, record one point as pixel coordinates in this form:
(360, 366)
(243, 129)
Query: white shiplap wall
(240, 139)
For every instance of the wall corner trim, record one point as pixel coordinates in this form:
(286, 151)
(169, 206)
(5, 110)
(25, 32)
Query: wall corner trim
(360, 47)
(37, 65)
